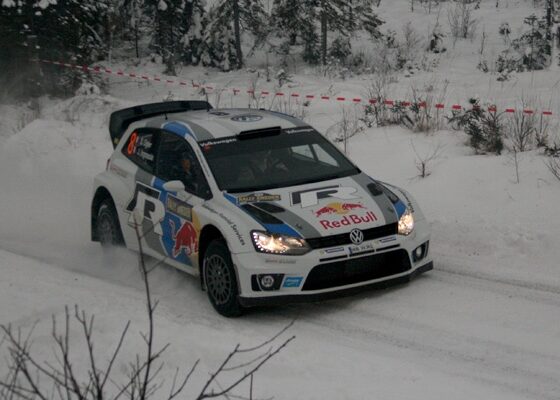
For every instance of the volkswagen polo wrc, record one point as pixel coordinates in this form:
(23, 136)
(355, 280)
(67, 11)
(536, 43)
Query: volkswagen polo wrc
(257, 203)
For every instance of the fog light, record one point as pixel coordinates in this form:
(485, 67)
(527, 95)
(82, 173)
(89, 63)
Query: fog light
(267, 281)
(420, 252)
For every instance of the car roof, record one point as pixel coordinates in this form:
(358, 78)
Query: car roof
(219, 123)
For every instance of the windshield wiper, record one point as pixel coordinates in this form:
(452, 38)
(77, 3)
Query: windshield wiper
(295, 183)
(251, 189)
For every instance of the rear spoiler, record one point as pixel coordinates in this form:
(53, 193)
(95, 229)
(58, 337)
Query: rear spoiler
(121, 120)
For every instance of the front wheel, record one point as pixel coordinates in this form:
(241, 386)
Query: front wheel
(108, 227)
(221, 280)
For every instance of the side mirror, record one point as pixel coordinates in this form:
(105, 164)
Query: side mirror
(174, 186)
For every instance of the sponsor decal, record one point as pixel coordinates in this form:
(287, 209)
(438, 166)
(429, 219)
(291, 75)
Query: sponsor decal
(361, 248)
(179, 207)
(334, 250)
(349, 220)
(299, 130)
(338, 208)
(138, 144)
(311, 197)
(146, 201)
(258, 197)
(292, 281)
(278, 261)
(184, 239)
(387, 240)
(231, 224)
(247, 118)
(210, 143)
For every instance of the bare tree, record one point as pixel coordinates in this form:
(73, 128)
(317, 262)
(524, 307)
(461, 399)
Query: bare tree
(461, 21)
(553, 164)
(29, 378)
(522, 129)
(348, 126)
(424, 162)
(515, 161)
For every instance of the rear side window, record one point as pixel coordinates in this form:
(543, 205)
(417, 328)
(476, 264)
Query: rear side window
(177, 161)
(140, 148)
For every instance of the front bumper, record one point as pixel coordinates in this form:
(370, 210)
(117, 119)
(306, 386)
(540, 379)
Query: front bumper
(332, 272)
(337, 293)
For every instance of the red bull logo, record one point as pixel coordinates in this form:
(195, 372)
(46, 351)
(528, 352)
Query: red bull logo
(338, 208)
(185, 239)
(348, 220)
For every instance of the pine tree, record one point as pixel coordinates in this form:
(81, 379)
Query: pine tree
(300, 18)
(288, 19)
(231, 18)
(294, 21)
(192, 37)
(167, 17)
(218, 47)
(134, 15)
(68, 30)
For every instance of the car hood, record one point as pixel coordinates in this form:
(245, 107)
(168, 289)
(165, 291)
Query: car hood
(323, 208)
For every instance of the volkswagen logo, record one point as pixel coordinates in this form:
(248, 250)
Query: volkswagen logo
(356, 236)
(247, 118)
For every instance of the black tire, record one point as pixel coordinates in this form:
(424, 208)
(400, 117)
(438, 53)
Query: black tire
(107, 225)
(221, 280)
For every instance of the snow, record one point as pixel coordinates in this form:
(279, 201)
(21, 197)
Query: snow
(483, 324)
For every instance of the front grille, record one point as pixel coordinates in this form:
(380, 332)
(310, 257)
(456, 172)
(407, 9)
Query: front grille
(344, 238)
(357, 270)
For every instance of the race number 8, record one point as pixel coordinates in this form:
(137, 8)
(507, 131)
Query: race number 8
(132, 144)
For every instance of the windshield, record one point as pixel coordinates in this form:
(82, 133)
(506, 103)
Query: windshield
(293, 157)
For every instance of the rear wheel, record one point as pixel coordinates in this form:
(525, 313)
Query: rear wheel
(108, 227)
(221, 280)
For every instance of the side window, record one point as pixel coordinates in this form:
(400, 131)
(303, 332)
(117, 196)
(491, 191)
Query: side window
(324, 157)
(140, 148)
(176, 160)
(304, 151)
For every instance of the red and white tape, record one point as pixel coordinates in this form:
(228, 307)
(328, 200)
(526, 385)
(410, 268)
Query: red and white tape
(266, 93)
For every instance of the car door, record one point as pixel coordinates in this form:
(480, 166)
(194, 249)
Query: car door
(139, 164)
(176, 161)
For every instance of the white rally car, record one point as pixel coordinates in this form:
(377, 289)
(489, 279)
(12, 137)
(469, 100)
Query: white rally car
(257, 203)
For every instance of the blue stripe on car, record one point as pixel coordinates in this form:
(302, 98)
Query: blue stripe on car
(179, 128)
(400, 208)
(281, 229)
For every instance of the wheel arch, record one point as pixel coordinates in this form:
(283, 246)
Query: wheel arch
(207, 235)
(101, 194)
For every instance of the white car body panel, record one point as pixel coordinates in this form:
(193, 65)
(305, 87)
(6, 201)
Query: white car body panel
(174, 221)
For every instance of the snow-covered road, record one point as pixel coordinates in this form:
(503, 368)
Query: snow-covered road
(445, 335)
(483, 324)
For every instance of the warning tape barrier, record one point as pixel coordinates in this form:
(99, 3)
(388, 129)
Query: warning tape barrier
(265, 93)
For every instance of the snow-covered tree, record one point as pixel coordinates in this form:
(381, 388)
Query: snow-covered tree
(178, 30)
(70, 30)
(192, 38)
(300, 18)
(226, 21)
(218, 47)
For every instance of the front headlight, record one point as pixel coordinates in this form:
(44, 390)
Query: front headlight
(406, 223)
(279, 244)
